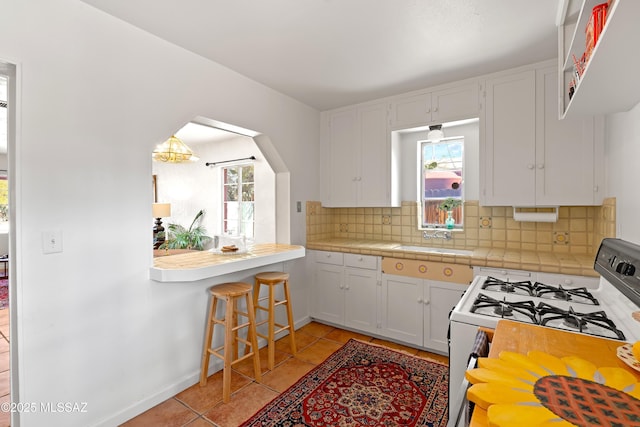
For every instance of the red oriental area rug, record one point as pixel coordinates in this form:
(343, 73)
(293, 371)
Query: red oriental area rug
(363, 385)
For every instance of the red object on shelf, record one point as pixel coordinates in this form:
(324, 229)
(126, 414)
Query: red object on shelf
(595, 26)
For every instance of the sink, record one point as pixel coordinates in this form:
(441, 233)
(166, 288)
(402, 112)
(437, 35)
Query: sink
(443, 251)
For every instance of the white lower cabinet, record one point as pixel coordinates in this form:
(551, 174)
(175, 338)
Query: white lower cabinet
(416, 311)
(345, 290)
(328, 293)
(350, 290)
(402, 309)
(360, 299)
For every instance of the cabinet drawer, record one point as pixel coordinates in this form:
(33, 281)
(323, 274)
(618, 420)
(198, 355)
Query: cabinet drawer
(361, 261)
(324, 257)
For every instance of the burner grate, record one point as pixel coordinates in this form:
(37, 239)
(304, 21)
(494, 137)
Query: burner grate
(581, 295)
(581, 322)
(504, 308)
(526, 287)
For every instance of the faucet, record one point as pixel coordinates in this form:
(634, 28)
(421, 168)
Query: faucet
(437, 234)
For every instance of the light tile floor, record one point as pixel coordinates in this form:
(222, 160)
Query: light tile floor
(4, 365)
(203, 407)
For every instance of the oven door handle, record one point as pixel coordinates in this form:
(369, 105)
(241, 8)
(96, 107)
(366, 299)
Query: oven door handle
(464, 403)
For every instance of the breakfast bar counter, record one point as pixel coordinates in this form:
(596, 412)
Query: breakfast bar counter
(198, 265)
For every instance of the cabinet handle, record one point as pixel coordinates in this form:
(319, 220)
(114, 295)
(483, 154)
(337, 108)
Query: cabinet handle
(341, 286)
(419, 300)
(426, 302)
(347, 287)
(360, 259)
(435, 110)
(540, 165)
(568, 282)
(428, 110)
(530, 166)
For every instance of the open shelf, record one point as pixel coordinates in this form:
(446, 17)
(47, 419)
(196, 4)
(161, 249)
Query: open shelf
(610, 80)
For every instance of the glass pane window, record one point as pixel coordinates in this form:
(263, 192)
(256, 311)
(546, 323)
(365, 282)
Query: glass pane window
(238, 204)
(442, 183)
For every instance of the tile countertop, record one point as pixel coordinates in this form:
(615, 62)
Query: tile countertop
(549, 262)
(192, 266)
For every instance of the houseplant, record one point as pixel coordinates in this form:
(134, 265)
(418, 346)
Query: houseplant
(448, 205)
(192, 238)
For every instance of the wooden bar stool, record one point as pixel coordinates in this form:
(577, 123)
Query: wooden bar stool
(271, 279)
(230, 293)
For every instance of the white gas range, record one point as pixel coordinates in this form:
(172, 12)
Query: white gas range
(607, 307)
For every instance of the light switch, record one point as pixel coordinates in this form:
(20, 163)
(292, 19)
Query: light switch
(51, 242)
(299, 206)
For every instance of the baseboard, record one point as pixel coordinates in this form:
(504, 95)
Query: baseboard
(170, 391)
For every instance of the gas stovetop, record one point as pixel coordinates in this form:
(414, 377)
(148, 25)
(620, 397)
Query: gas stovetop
(569, 308)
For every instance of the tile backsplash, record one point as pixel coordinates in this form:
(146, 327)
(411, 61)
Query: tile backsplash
(579, 229)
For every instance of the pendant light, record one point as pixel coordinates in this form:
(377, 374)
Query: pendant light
(173, 150)
(435, 133)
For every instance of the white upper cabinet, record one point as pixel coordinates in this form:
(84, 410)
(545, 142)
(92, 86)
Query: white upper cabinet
(356, 152)
(454, 103)
(610, 81)
(528, 156)
(508, 164)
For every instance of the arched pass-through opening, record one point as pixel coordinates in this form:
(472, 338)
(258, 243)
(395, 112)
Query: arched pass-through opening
(282, 176)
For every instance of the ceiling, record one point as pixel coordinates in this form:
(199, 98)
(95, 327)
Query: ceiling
(332, 53)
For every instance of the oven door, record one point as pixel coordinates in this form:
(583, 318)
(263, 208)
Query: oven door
(460, 416)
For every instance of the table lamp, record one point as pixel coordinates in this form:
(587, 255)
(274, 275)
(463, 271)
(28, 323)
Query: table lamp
(160, 210)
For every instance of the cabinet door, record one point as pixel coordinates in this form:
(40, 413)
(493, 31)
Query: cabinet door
(360, 309)
(402, 309)
(439, 299)
(456, 103)
(411, 111)
(374, 176)
(507, 152)
(328, 293)
(341, 171)
(565, 150)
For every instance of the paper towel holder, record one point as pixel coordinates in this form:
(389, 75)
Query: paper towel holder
(536, 214)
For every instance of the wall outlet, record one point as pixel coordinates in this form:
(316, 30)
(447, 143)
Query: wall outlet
(51, 242)
(299, 206)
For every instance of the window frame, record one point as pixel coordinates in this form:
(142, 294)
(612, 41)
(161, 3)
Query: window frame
(458, 212)
(242, 223)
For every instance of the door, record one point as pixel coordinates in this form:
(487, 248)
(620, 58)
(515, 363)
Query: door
(328, 293)
(456, 103)
(360, 308)
(402, 308)
(343, 157)
(508, 152)
(374, 176)
(565, 150)
(439, 299)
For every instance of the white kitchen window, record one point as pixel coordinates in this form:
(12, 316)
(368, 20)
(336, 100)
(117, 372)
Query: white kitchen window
(238, 205)
(441, 184)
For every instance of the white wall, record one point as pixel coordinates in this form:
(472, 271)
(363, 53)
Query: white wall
(190, 187)
(94, 97)
(622, 155)
(409, 158)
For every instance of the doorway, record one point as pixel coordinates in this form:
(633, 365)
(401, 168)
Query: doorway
(8, 353)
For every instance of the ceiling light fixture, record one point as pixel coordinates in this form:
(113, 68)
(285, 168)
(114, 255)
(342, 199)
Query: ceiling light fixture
(173, 150)
(435, 133)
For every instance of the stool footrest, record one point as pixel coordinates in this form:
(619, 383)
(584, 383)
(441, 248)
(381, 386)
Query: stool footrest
(275, 303)
(243, 325)
(282, 328)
